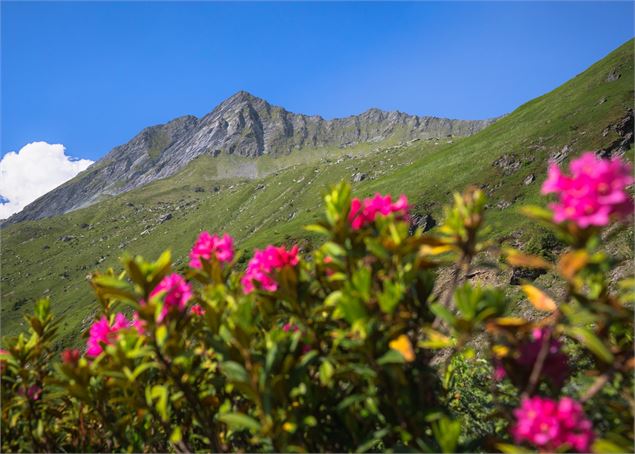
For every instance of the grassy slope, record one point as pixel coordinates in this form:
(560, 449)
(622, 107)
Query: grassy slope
(275, 207)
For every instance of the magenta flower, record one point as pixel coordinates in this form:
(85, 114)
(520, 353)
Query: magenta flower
(102, 332)
(262, 265)
(208, 246)
(197, 309)
(555, 367)
(551, 425)
(290, 327)
(365, 212)
(34, 392)
(593, 194)
(176, 293)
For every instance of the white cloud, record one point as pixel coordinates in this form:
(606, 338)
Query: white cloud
(32, 172)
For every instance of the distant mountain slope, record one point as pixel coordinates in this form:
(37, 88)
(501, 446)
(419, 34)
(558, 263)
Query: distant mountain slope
(243, 125)
(592, 111)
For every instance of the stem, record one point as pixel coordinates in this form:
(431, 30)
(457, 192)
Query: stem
(597, 385)
(539, 364)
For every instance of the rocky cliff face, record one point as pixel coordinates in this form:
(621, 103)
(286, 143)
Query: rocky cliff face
(242, 125)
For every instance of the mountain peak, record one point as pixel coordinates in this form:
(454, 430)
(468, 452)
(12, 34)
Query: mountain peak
(242, 96)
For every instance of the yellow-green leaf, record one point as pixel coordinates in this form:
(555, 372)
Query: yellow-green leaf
(539, 299)
(518, 259)
(572, 262)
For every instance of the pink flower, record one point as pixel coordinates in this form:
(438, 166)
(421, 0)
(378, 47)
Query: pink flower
(34, 392)
(262, 265)
(551, 425)
(70, 356)
(594, 193)
(207, 247)
(555, 366)
(499, 371)
(102, 332)
(290, 327)
(176, 291)
(197, 309)
(137, 323)
(365, 212)
(328, 260)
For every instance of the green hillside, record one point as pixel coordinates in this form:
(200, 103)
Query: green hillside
(508, 159)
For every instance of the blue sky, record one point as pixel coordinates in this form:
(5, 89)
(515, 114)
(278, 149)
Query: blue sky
(91, 75)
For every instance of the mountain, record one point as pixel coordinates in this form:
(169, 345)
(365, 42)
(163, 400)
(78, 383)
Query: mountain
(242, 125)
(275, 197)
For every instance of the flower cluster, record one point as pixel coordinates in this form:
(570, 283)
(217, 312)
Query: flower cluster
(364, 212)
(595, 191)
(104, 332)
(208, 246)
(262, 265)
(552, 425)
(177, 292)
(197, 309)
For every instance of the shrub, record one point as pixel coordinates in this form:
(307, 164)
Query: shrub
(343, 347)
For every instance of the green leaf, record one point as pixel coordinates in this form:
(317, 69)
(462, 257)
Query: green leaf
(42, 308)
(391, 357)
(352, 309)
(240, 421)
(537, 212)
(317, 228)
(176, 436)
(591, 341)
(390, 297)
(435, 340)
(443, 313)
(326, 372)
(446, 432)
(161, 335)
(162, 264)
(604, 445)
(140, 369)
(333, 249)
(333, 298)
(512, 449)
(234, 372)
(161, 393)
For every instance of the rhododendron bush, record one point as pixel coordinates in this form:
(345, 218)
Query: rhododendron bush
(351, 346)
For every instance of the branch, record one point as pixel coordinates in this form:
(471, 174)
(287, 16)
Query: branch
(596, 386)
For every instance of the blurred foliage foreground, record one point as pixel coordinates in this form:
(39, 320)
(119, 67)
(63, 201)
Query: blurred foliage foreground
(347, 347)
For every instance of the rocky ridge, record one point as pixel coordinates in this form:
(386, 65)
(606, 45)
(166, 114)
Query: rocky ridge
(242, 125)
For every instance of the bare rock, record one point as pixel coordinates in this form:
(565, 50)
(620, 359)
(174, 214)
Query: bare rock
(525, 274)
(423, 221)
(613, 76)
(561, 155)
(508, 163)
(357, 177)
(164, 218)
